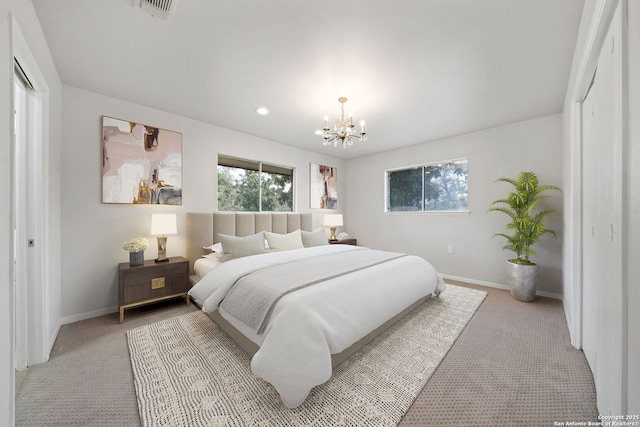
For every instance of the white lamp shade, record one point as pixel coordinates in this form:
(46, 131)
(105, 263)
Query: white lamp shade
(333, 220)
(163, 224)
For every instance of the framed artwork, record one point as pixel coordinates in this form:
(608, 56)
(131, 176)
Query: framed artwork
(141, 164)
(323, 181)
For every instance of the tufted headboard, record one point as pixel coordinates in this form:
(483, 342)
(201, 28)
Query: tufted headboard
(203, 228)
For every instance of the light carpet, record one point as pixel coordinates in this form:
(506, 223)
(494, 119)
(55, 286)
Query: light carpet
(188, 372)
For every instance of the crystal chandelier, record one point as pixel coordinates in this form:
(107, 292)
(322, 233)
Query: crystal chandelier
(343, 131)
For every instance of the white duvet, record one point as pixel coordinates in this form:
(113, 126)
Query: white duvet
(309, 325)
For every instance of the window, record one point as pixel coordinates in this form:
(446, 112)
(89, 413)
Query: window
(245, 185)
(433, 187)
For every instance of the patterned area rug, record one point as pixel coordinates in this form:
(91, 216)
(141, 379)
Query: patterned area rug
(189, 373)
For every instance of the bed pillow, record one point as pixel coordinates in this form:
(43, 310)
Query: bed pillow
(314, 238)
(215, 248)
(237, 247)
(284, 242)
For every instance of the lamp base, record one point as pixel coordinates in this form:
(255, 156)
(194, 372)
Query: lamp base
(333, 233)
(162, 249)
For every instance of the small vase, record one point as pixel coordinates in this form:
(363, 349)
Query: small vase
(136, 258)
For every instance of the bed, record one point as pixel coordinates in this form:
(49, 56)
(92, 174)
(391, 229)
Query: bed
(298, 309)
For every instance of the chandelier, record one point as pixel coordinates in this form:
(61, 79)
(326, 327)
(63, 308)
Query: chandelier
(343, 130)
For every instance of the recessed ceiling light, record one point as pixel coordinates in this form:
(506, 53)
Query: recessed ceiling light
(262, 111)
(318, 132)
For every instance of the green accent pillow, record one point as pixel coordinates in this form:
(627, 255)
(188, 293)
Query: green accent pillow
(314, 238)
(283, 242)
(237, 247)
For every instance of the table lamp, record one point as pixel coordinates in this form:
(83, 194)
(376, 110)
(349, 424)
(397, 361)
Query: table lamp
(162, 224)
(332, 221)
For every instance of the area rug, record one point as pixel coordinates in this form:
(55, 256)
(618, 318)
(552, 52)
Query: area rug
(188, 372)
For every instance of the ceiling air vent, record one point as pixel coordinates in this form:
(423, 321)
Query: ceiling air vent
(159, 9)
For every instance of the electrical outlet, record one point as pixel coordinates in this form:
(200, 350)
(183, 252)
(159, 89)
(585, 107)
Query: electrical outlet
(450, 249)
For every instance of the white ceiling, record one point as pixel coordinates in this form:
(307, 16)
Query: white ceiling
(415, 70)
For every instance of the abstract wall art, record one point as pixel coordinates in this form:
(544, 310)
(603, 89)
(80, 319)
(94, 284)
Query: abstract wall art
(323, 192)
(141, 164)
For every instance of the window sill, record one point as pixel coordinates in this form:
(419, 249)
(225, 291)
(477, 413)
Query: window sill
(454, 213)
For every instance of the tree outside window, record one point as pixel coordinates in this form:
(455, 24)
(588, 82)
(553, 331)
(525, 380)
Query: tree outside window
(432, 187)
(251, 186)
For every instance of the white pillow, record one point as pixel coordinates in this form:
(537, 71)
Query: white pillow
(314, 238)
(215, 248)
(284, 242)
(236, 247)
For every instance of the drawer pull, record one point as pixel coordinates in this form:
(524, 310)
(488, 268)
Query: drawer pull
(157, 283)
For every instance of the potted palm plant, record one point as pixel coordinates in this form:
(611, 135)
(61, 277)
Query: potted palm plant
(527, 225)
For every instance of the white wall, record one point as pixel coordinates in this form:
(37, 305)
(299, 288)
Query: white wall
(533, 145)
(93, 232)
(22, 14)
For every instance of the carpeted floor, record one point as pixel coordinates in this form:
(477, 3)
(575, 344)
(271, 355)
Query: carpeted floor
(188, 372)
(513, 365)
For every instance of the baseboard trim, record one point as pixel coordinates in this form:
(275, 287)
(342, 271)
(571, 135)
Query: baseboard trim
(52, 338)
(497, 285)
(88, 315)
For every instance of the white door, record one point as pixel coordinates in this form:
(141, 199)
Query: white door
(602, 220)
(31, 293)
(21, 346)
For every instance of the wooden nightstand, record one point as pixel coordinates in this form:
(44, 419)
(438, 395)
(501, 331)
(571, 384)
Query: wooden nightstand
(152, 282)
(353, 242)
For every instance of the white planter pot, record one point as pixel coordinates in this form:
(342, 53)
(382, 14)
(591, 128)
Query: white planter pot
(522, 281)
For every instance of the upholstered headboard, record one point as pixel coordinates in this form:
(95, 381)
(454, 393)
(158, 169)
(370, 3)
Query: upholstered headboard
(203, 228)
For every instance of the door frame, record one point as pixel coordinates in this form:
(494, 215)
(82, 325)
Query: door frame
(31, 303)
(573, 253)
(602, 17)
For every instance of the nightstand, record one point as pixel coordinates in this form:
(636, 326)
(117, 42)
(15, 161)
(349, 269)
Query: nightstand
(152, 282)
(353, 242)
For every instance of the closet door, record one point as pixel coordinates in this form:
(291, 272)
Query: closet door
(602, 207)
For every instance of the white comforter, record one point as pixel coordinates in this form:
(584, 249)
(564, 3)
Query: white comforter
(309, 325)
